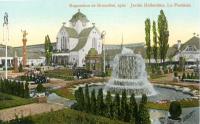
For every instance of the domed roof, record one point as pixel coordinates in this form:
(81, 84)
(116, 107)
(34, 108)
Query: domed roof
(79, 16)
(92, 52)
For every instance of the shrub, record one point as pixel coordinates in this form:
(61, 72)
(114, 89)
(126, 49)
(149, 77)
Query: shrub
(175, 74)
(20, 68)
(40, 88)
(175, 68)
(196, 75)
(188, 76)
(175, 110)
(166, 71)
(192, 76)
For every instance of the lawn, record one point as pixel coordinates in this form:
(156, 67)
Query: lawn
(165, 106)
(65, 92)
(68, 116)
(7, 101)
(65, 74)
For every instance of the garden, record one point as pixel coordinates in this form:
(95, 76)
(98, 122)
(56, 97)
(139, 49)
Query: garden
(65, 116)
(13, 93)
(65, 74)
(8, 101)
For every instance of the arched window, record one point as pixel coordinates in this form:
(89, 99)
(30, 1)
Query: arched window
(65, 46)
(61, 44)
(94, 43)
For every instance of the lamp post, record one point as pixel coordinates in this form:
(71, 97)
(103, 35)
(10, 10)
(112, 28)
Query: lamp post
(103, 45)
(5, 27)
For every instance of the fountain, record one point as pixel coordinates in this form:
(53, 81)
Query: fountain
(129, 74)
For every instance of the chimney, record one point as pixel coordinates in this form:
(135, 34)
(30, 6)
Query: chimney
(93, 24)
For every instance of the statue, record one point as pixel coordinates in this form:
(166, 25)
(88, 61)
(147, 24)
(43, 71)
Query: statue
(24, 32)
(5, 19)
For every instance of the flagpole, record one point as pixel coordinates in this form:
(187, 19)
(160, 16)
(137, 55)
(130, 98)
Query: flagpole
(103, 46)
(7, 39)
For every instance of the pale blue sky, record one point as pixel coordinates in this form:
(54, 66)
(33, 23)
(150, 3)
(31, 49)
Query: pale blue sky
(41, 17)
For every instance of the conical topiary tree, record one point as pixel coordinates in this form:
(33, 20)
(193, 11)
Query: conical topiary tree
(133, 109)
(93, 102)
(144, 98)
(143, 114)
(100, 102)
(116, 106)
(175, 110)
(123, 104)
(108, 104)
(87, 99)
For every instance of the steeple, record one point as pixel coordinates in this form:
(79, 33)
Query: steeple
(79, 21)
(63, 23)
(79, 16)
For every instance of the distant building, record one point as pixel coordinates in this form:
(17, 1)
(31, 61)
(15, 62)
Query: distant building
(190, 50)
(74, 42)
(35, 55)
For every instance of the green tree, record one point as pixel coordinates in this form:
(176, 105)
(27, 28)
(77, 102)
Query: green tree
(100, 102)
(87, 99)
(133, 109)
(48, 49)
(147, 38)
(108, 103)
(116, 108)
(93, 102)
(163, 36)
(175, 110)
(155, 42)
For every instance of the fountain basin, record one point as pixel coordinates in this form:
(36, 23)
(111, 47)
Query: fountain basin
(162, 93)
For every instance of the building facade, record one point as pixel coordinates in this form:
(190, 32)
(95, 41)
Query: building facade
(190, 50)
(74, 42)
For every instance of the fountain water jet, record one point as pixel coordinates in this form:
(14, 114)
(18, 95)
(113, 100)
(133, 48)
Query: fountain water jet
(129, 74)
